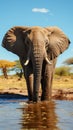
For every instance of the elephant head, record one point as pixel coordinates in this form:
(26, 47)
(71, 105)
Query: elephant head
(36, 44)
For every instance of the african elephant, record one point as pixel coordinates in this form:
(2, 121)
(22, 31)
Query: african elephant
(38, 49)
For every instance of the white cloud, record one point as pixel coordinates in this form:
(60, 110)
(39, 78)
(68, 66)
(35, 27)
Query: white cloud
(41, 10)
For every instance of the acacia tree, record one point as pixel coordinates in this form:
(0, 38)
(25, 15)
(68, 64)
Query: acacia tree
(18, 69)
(69, 61)
(5, 65)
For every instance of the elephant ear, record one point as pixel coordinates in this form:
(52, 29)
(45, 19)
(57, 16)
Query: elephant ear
(58, 42)
(13, 39)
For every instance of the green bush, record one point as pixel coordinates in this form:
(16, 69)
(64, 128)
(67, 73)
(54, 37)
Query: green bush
(62, 71)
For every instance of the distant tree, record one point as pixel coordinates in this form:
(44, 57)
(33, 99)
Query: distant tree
(5, 65)
(69, 61)
(18, 69)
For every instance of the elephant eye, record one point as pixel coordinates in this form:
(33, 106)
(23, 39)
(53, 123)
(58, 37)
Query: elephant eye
(27, 43)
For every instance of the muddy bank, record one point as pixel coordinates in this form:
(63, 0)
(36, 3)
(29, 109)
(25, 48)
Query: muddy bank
(65, 94)
(15, 93)
(15, 88)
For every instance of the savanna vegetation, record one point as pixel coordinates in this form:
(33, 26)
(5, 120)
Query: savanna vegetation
(63, 77)
(5, 66)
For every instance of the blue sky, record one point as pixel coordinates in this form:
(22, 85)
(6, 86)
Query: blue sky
(36, 13)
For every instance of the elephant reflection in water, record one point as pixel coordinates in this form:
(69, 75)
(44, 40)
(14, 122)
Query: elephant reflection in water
(40, 115)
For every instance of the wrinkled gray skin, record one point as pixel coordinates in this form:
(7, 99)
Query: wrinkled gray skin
(38, 49)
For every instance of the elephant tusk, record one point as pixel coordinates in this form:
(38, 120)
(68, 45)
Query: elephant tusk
(48, 61)
(26, 63)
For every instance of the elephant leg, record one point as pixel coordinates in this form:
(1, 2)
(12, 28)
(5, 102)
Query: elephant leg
(28, 74)
(29, 81)
(46, 87)
(46, 82)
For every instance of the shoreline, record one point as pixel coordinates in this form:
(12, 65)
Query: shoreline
(57, 94)
(62, 87)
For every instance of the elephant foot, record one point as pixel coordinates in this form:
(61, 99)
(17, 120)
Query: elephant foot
(35, 97)
(30, 98)
(45, 98)
(35, 100)
(29, 102)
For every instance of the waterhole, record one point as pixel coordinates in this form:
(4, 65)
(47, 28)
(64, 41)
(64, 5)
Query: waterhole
(53, 115)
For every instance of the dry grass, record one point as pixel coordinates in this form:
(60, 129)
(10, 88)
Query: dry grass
(62, 82)
(13, 82)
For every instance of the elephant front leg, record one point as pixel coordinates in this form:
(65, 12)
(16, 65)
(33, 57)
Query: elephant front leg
(46, 83)
(28, 74)
(46, 88)
(29, 83)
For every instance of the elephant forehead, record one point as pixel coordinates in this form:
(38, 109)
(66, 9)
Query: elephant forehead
(36, 28)
(37, 34)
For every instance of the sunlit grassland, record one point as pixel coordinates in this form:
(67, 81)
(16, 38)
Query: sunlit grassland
(12, 82)
(59, 82)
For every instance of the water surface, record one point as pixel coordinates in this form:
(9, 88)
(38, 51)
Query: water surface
(18, 115)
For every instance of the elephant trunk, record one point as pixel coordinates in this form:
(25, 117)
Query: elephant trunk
(37, 57)
(37, 69)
